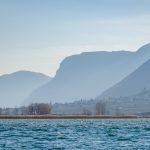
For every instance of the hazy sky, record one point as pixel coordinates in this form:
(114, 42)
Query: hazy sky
(37, 34)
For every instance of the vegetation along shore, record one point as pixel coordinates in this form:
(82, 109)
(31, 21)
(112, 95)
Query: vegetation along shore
(71, 116)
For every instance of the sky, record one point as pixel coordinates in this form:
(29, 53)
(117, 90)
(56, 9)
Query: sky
(37, 35)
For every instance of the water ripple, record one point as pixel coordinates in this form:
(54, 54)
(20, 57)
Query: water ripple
(88, 134)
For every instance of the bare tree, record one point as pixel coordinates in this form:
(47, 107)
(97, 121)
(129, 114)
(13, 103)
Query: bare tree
(39, 109)
(100, 108)
(44, 108)
(1, 111)
(32, 109)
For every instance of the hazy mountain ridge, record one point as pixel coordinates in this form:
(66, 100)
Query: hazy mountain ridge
(132, 84)
(15, 87)
(86, 75)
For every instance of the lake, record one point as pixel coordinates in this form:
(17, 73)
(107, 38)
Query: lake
(74, 134)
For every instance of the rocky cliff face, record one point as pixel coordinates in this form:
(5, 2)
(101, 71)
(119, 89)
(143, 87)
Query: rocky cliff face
(87, 75)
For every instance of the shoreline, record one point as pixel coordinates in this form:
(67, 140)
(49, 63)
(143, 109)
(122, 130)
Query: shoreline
(72, 116)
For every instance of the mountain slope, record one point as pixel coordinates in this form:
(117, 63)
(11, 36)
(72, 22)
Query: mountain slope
(86, 75)
(144, 94)
(15, 87)
(133, 84)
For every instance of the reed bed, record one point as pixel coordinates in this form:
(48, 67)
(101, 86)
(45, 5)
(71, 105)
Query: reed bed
(71, 116)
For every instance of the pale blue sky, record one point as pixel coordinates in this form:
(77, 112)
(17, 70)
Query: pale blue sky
(36, 35)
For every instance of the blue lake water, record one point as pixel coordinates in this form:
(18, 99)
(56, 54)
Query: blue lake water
(72, 134)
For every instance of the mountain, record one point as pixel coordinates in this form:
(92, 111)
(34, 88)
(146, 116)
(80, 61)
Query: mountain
(144, 94)
(86, 75)
(136, 83)
(15, 87)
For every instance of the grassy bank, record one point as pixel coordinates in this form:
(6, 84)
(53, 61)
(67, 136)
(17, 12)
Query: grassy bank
(70, 116)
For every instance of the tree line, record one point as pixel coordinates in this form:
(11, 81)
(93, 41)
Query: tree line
(32, 109)
(100, 109)
(46, 108)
